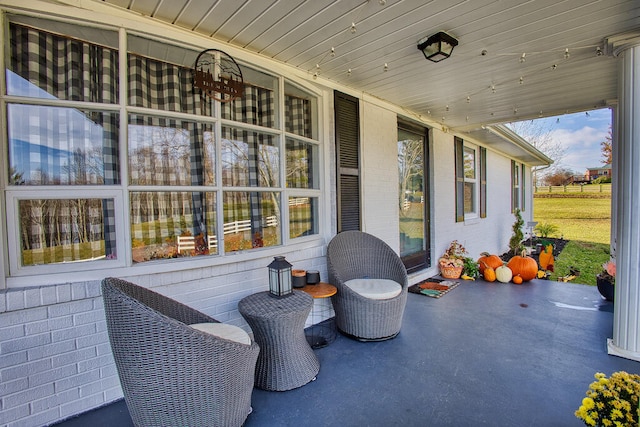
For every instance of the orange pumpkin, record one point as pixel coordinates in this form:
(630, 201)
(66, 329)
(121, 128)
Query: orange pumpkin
(524, 266)
(487, 260)
(489, 274)
(517, 279)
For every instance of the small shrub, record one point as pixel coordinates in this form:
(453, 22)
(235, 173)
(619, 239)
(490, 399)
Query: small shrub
(515, 242)
(602, 180)
(471, 267)
(546, 229)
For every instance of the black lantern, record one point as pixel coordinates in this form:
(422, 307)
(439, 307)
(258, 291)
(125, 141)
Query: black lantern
(438, 46)
(280, 277)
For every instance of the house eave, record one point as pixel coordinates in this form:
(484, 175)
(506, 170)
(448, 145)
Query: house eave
(509, 143)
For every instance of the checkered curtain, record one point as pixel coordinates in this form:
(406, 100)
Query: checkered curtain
(297, 115)
(74, 70)
(256, 106)
(163, 86)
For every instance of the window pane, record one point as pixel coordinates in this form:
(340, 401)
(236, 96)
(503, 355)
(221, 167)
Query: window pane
(54, 231)
(299, 110)
(251, 220)
(469, 197)
(62, 146)
(46, 65)
(258, 104)
(302, 164)
(411, 152)
(170, 152)
(249, 159)
(469, 163)
(161, 77)
(172, 225)
(303, 216)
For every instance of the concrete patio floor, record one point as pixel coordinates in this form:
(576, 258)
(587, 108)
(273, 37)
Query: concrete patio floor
(484, 354)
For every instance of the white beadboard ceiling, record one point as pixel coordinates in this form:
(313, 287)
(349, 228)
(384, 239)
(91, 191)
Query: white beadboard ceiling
(463, 92)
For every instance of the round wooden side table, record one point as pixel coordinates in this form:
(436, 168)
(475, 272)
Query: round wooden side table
(323, 333)
(286, 361)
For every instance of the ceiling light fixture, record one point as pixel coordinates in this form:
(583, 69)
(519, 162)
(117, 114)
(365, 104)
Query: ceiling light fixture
(438, 46)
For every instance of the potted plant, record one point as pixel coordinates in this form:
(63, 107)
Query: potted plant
(451, 263)
(606, 280)
(611, 401)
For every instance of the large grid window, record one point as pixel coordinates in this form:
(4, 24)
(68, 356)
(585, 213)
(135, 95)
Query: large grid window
(201, 177)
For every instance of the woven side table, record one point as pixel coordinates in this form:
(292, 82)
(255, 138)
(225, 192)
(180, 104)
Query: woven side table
(286, 361)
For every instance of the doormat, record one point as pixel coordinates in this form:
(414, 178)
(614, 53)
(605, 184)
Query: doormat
(433, 287)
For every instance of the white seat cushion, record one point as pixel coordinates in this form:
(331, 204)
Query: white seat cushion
(223, 330)
(375, 288)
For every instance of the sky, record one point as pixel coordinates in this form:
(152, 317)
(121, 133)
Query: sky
(580, 134)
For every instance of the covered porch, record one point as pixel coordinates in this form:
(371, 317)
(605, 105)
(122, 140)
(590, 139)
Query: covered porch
(483, 354)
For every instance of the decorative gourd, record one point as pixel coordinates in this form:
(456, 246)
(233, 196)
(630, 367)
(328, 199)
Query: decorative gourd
(523, 265)
(489, 274)
(546, 258)
(517, 279)
(488, 260)
(504, 274)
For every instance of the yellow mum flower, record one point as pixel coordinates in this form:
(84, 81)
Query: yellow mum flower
(588, 403)
(616, 413)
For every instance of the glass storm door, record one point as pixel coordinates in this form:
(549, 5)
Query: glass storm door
(413, 197)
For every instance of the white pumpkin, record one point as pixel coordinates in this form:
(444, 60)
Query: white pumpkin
(504, 274)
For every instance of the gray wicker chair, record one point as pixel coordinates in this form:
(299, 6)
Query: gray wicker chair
(172, 374)
(354, 255)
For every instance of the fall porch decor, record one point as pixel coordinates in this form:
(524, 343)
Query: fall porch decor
(451, 263)
(611, 401)
(488, 260)
(524, 266)
(605, 281)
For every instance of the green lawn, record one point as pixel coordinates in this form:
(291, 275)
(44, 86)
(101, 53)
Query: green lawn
(586, 223)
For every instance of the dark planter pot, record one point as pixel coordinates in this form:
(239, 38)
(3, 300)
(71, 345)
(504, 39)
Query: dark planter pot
(605, 287)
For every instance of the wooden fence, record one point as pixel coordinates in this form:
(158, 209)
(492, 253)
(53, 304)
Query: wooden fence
(589, 188)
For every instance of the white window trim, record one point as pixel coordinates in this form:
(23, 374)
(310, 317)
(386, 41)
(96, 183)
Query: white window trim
(475, 181)
(15, 194)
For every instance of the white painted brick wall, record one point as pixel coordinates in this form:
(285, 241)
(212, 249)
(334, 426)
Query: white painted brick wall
(380, 215)
(55, 357)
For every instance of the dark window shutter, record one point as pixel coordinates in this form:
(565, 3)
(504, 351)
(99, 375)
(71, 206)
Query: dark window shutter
(515, 199)
(459, 164)
(483, 182)
(347, 119)
(522, 188)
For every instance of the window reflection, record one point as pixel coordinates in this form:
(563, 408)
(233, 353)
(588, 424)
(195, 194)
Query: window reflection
(303, 213)
(66, 230)
(251, 220)
(301, 162)
(61, 146)
(170, 152)
(169, 224)
(249, 159)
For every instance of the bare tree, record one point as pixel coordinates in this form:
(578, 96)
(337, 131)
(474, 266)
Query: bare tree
(560, 176)
(606, 149)
(409, 165)
(540, 135)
